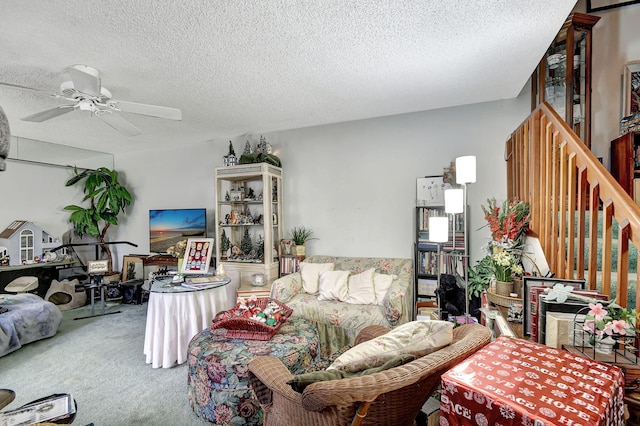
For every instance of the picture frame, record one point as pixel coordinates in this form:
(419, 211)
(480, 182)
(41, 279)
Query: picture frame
(132, 268)
(600, 5)
(197, 256)
(96, 267)
(430, 191)
(631, 88)
(531, 281)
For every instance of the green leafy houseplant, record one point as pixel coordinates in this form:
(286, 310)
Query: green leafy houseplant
(300, 235)
(107, 198)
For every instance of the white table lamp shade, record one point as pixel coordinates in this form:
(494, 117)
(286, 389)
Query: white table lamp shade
(466, 169)
(454, 200)
(438, 229)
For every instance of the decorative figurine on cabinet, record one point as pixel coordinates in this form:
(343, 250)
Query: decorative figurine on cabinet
(230, 159)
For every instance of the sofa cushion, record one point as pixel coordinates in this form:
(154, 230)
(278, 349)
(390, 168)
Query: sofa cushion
(301, 381)
(418, 338)
(381, 284)
(310, 273)
(333, 285)
(361, 290)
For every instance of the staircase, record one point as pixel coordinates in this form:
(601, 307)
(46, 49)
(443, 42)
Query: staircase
(570, 192)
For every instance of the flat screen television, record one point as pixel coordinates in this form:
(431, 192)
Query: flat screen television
(168, 226)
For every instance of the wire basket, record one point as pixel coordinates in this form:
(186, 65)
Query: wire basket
(240, 327)
(618, 348)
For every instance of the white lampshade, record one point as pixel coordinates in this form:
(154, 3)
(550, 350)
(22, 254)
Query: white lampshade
(466, 169)
(438, 229)
(454, 200)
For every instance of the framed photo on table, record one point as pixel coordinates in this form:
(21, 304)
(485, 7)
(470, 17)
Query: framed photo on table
(132, 268)
(528, 282)
(197, 256)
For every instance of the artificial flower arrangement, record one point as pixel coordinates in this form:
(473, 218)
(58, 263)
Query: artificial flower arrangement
(601, 322)
(178, 249)
(506, 264)
(508, 225)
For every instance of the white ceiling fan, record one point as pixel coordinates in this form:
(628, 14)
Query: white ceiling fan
(85, 93)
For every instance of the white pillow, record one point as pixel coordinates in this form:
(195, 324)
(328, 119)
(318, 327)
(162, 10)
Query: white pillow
(310, 273)
(381, 284)
(332, 285)
(418, 338)
(361, 290)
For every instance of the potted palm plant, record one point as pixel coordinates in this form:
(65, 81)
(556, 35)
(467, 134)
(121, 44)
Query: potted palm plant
(300, 235)
(106, 198)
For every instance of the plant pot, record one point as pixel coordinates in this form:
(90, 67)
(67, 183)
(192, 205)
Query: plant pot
(299, 250)
(504, 288)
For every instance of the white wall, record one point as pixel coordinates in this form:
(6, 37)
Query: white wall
(36, 193)
(353, 183)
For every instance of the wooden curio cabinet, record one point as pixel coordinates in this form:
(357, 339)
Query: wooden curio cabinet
(563, 77)
(625, 163)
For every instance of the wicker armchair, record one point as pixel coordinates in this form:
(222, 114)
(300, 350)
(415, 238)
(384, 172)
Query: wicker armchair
(391, 397)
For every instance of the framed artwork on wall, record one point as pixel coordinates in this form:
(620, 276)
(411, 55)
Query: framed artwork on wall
(430, 191)
(598, 5)
(631, 88)
(197, 256)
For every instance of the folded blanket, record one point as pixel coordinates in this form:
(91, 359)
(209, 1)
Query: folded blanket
(29, 318)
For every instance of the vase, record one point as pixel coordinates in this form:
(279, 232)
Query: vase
(504, 288)
(605, 345)
(180, 262)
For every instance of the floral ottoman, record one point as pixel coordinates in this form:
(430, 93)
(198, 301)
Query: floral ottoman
(218, 378)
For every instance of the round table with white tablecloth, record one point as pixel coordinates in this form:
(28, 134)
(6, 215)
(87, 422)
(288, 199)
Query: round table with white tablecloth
(177, 313)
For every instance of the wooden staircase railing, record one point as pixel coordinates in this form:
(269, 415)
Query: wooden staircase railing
(552, 169)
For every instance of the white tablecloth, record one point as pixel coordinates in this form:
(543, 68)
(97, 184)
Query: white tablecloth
(174, 318)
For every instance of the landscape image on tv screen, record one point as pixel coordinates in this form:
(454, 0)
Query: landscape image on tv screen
(168, 226)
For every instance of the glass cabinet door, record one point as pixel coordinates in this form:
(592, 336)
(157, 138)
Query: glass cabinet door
(564, 75)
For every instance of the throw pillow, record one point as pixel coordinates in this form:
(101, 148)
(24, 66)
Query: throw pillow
(418, 338)
(332, 285)
(301, 381)
(310, 273)
(381, 284)
(361, 290)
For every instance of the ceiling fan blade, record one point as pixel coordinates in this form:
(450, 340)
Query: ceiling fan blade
(50, 113)
(119, 123)
(151, 110)
(17, 86)
(85, 79)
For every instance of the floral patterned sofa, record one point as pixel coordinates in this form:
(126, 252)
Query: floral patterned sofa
(337, 322)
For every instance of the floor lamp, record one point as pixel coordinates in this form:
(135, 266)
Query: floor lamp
(439, 233)
(466, 174)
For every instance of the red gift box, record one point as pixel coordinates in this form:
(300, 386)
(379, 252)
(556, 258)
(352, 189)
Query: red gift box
(517, 382)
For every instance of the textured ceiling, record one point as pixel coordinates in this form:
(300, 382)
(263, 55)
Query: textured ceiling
(253, 66)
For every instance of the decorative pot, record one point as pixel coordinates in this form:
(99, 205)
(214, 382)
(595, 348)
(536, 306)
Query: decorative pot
(504, 288)
(605, 345)
(299, 250)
